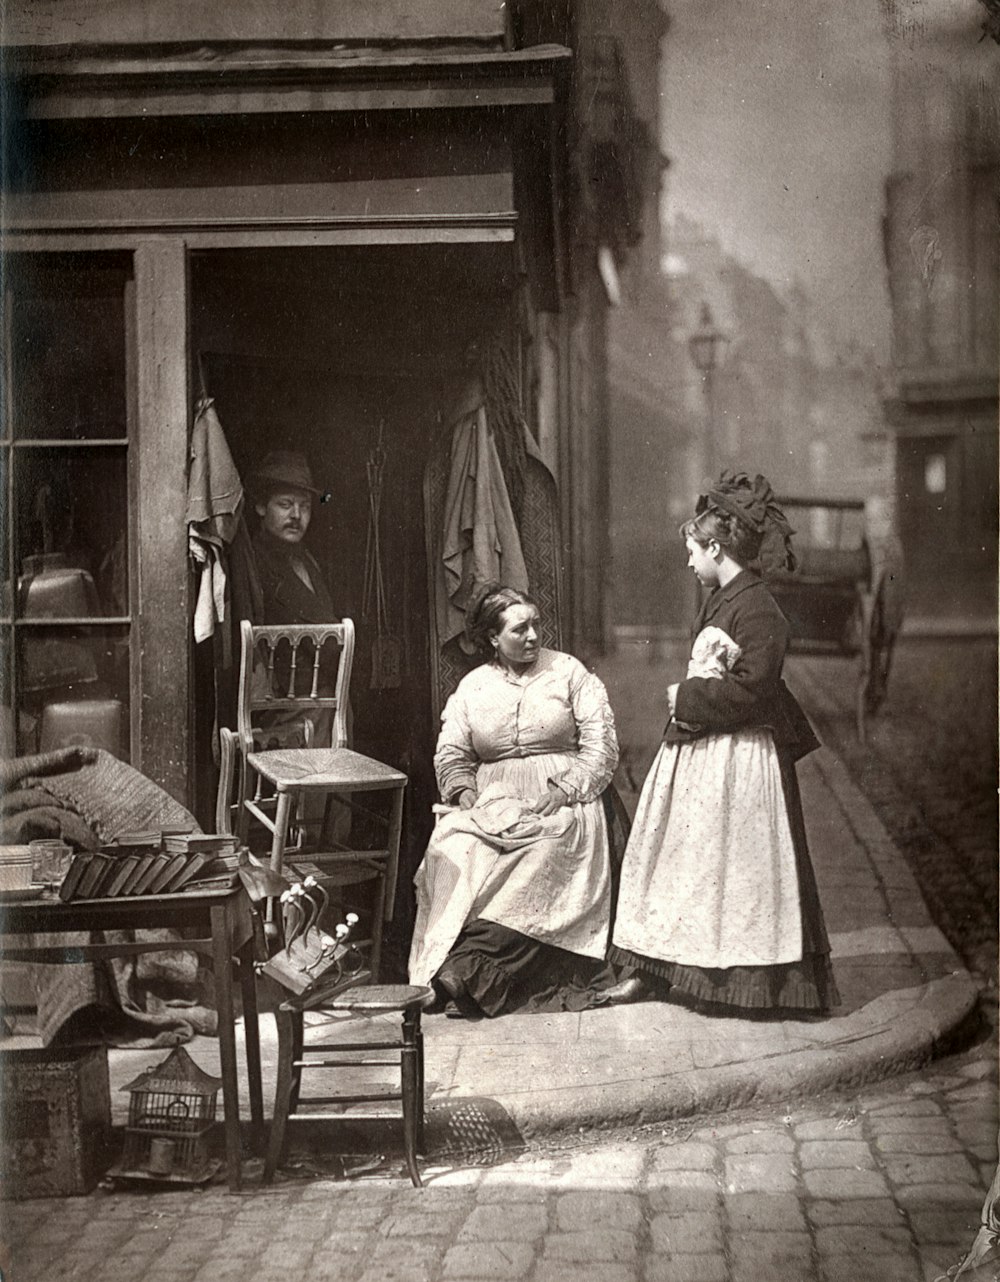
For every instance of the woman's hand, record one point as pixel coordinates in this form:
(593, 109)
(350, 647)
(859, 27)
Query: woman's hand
(550, 801)
(672, 699)
(467, 798)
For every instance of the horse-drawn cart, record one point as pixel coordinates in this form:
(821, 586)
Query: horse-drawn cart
(845, 597)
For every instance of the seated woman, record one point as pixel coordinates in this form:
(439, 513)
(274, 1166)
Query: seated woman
(514, 892)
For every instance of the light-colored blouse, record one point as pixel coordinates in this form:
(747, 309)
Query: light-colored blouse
(556, 707)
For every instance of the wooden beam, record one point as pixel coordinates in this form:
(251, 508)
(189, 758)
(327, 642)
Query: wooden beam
(255, 62)
(162, 436)
(52, 23)
(81, 102)
(290, 237)
(62, 241)
(422, 201)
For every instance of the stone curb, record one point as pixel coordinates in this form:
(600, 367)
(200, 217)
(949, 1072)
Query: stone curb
(894, 1033)
(871, 1044)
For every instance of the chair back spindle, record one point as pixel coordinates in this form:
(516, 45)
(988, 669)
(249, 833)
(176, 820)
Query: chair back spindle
(277, 676)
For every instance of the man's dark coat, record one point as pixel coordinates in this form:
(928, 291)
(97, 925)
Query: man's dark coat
(286, 597)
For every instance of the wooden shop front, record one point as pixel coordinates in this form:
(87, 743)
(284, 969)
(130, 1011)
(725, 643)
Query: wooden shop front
(325, 236)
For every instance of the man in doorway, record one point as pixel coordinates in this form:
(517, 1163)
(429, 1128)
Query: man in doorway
(294, 587)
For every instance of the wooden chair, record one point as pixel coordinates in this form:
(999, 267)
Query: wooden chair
(291, 744)
(371, 1003)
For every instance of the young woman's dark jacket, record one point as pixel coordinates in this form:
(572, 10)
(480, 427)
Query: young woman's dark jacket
(753, 693)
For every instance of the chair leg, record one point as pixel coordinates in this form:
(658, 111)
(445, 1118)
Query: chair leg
(378, 913)
(281, 817)
(285, 1021)
(298, 1046)
(413, 1104)
(421, 1094)
(325, 831)
(392, 844)
(242, 824)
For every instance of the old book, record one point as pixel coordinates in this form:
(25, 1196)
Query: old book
(173, 866)
(125, 867)
(71, 882)
(141, 837)
(99, 864)
(207, 842)
(191, 870)
(110, 871)
(143, 862)
(224, 881)
(151, 872)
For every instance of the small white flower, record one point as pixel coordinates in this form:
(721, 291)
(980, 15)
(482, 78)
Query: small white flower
(351, 919)
(310, 881)
(343, 931)
(326, 941)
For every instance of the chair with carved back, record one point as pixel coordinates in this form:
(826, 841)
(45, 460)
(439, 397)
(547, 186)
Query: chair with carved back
(290, 745)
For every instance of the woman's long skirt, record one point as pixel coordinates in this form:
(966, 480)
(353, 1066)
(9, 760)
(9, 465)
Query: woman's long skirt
(513, 908)
(718, 897)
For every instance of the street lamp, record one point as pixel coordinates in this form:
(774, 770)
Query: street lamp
(706, 345)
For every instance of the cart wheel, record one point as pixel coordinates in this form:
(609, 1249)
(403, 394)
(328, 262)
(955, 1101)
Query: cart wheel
(862, 694)
(878, 682)
(861, 706)
(853, 638)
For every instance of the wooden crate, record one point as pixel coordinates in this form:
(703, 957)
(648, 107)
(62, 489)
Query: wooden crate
(56, 1121)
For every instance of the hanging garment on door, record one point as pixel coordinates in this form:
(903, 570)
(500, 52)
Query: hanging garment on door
(481, 541)
(214, 503)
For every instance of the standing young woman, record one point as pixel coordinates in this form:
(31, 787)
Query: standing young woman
(718, 900)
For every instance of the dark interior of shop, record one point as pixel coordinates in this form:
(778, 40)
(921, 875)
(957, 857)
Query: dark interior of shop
(332, 352)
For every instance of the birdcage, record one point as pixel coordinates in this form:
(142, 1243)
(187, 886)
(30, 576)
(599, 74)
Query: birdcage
(170, 1117)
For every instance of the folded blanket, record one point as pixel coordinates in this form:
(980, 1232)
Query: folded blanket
(88, 797)
(111, 796)
(28, 811)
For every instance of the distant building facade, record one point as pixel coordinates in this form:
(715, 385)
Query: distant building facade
(941, 247)
(785, 398)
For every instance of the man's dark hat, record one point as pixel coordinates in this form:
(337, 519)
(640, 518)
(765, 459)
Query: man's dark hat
(283, 467)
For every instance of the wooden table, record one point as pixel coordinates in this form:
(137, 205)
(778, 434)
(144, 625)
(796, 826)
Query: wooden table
(223, 922)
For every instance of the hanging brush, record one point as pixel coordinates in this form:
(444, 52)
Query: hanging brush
(386, 652)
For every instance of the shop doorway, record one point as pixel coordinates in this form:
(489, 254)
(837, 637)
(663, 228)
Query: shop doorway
(326, 351)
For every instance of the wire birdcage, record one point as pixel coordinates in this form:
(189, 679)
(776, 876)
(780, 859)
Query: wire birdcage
(170, 1117)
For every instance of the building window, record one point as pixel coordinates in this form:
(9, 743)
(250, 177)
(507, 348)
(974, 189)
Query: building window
(65, 472)
(935, 474)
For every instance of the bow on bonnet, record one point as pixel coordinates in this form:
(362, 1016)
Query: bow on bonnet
(753, 503)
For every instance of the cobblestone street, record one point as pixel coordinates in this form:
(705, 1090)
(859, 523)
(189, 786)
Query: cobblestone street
(885, 1184)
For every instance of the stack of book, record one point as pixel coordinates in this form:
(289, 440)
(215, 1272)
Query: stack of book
(153, 863)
